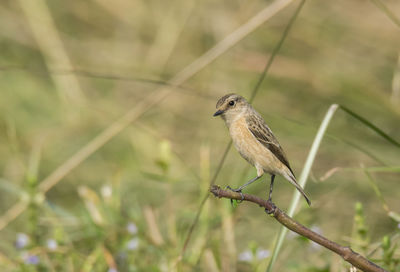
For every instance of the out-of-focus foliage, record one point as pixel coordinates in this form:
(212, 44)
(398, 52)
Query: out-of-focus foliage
(129, 206)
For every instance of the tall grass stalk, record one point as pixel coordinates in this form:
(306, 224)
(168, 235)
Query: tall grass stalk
(201, 234)
(303, 179)
(52, 48)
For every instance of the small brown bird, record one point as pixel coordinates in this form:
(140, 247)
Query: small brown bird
(255, 141)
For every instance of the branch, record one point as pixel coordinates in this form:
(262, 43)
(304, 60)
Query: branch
(345, 252)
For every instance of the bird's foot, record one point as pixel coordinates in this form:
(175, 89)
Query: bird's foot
(273, 208)
(238, 190)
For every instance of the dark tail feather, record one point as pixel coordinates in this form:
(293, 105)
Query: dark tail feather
(293, 181)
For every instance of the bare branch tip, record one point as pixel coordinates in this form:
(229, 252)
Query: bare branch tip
(215, 189)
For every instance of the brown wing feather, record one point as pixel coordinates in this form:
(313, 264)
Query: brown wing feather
(264, 135)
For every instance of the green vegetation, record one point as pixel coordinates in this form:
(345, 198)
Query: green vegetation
(104, 164)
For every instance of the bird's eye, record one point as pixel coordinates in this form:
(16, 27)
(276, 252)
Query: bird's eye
(231, 103)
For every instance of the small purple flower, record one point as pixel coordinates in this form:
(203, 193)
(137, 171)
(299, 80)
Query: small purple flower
(133, 244)
(22, 240)
(246, 256)
(112, 270)
(132, 228)
(51, 244)
(262, 253)
(32, 259)
(398, 226)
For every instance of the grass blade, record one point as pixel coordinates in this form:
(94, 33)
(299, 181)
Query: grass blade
(303, 180)
(370, 125)
(387, 169)
(378, 192)
(362, 150)
(276, 50)
(387, 11)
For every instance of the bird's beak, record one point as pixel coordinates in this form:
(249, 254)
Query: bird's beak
(218, 112)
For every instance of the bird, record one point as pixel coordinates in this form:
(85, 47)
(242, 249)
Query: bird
(255, 142)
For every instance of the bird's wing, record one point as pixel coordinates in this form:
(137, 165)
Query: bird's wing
(264, 135)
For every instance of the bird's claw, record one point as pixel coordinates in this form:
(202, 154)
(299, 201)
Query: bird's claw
(236, 191)
(272, 210)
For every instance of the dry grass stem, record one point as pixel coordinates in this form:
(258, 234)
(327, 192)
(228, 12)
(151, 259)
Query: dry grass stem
(51, 46)
(153, 231)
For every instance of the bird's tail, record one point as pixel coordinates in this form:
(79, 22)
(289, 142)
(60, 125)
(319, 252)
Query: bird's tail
(290, 177)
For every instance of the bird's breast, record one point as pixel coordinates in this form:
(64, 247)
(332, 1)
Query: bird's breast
(250, 148)
(244, 140)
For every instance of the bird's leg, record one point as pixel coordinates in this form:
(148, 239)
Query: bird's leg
(236, 190)
(272, 211)
(270, 188)
(239, 190)
(245, 185)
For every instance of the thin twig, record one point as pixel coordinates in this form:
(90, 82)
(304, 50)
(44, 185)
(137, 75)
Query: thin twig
(345, 252)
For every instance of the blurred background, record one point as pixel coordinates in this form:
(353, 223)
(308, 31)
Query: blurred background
(105, 161)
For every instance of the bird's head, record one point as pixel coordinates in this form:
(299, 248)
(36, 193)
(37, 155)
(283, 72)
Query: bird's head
(231, 106)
